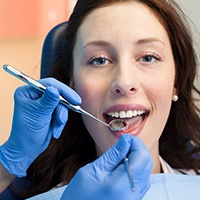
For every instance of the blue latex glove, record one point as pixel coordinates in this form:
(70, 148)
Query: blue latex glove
(37, 118)
(106, 178)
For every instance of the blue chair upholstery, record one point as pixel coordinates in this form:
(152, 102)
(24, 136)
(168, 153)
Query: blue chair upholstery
(52, 48)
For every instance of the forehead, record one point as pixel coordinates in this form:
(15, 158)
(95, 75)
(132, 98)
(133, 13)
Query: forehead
(121, 21)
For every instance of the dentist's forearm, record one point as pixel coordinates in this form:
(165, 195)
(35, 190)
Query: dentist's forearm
(5, 178)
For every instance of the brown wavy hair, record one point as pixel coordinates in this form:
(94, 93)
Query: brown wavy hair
(75, 148)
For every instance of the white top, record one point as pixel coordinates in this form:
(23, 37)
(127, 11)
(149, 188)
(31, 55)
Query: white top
(167, 169)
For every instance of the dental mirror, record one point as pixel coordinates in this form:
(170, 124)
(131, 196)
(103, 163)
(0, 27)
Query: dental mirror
(114, 125)
(117, 125)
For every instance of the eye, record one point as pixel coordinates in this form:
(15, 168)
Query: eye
(99, 60)
(150, 58)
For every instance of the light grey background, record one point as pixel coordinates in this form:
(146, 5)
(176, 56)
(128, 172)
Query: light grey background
(192, 10)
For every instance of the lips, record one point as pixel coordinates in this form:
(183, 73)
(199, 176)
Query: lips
(134, 116)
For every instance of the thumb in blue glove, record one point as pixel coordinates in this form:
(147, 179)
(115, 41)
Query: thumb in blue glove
(106, 178)
(37, 118)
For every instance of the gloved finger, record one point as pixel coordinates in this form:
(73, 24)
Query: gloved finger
(50, 99)
(139, 156)
(25, 93)
(114, 156)
(41, 108)
(67, 92)
(36, 110)
(61, 114)
(57, 130)
(59, 120)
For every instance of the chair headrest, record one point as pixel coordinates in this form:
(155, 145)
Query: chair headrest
(51, 49)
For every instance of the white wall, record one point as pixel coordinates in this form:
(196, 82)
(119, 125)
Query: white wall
(192, 10)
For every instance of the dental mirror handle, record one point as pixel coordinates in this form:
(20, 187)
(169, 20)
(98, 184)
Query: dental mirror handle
(37, 85)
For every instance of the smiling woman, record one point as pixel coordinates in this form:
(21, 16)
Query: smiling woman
(132, 71)
(134, 61)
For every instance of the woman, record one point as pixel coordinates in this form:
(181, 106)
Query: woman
(132, 60)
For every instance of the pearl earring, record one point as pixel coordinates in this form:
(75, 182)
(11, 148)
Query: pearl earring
(175, 98)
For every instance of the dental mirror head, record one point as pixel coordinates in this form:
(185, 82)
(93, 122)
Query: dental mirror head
(117, 125)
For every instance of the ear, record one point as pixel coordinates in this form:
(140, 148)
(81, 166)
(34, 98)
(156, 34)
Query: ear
(175, 95)
(176, 88)
(175, 91)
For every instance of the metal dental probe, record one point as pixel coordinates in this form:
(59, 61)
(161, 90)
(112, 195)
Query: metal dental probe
(129, 174)
(37, 85)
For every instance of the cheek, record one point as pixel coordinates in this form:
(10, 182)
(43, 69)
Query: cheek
(160, 97)
(161, 100)
(84, 89)
(81, 84)
(162, 93)
(90, 90)
(161, 87)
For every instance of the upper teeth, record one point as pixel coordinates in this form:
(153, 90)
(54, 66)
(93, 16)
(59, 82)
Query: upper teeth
(126, 114)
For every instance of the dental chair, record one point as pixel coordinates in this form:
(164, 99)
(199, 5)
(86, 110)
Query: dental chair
(52, 49)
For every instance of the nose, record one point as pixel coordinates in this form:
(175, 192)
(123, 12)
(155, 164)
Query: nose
(125, 81)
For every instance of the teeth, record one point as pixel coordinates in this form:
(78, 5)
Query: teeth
(122, 114)
(129, 113)
(126, 114)
(135, 113)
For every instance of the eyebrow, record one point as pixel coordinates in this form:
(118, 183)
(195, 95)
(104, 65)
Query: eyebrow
(97, 43)
(149, 40)
(138, 42)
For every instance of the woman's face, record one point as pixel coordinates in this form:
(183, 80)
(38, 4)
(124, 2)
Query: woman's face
(124, 68)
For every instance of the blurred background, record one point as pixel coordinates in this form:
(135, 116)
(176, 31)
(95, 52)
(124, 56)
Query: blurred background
(23, 27)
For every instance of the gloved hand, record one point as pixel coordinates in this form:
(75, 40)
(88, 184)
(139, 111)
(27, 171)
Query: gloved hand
(106, 178)
(37, 118)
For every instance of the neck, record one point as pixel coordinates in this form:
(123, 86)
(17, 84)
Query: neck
(156, 161)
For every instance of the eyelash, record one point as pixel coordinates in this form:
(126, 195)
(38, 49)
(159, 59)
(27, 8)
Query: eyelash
(97, 58)
(152, 55)
(93, 59)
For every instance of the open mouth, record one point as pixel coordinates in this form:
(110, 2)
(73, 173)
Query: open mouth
(134, 120)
